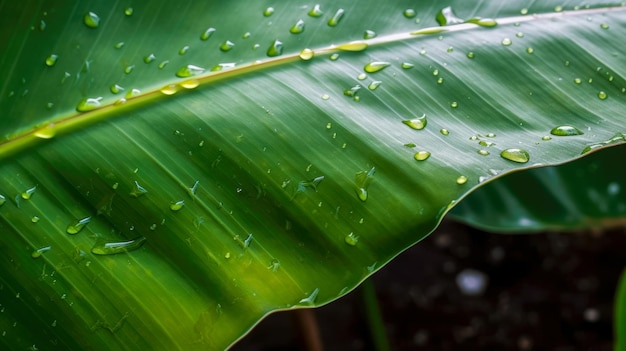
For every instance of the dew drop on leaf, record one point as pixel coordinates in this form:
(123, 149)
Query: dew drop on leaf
(515, 155)
(306, 54)
(76, 226)
(116, 89)
(565, 130)
(207, 33)
(357, 45)
(275, 48)
(461, 180)
(418, 123)
(470, 55)
(374, 85)
(169, 89)
(506, 42)
(51, 60)
(110, 248)
(604, 26)
(88, 104)
(409, 13)
(316, 11)
(46, 132)
(297, 28)
(227, 46)
(334, 21)
(369, 34)
(128, 11)
(351, 239)
(483, 152)
(602, 95)
(119, 45)
(129, 69)
(444, 132)
(421, 155)
(189, 71)
(334, 57)
(268, 11)
(454, 104)
(149, 58)
(177, 206)
(91, 20)
(137, 190)
(407, 65)
(3, 200)
(530, 50)
(375, 66)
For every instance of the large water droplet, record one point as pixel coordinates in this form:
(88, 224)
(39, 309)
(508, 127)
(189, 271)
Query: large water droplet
(421, 155)
(91, 20)
(78, 225)
(446, 17)
(275, 48)
(358, 45)
(602, 95)
(88, 104)
(418, 123)
(207, 33)
(461, 180)
(170, 89)
(306, 54)
(409, 13)
(227, 46)
(110, 248)
(46, 132)
(515, 155)
(297, 28)
(268, 11)
(51, 60)
(189, 71)
(566, 131)
(333, 21)
(129, 11)
(316, 11)
(375, 66)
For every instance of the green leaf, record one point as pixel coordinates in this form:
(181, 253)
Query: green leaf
(227, 181)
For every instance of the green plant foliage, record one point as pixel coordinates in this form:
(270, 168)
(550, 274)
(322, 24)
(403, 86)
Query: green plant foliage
(173, 171)
(620, 314)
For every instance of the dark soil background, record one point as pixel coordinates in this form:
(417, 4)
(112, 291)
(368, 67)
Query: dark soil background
(548, 291)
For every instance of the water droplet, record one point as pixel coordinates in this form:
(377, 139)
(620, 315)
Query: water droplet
(46, 132)
(189, 71)
(132, 93)
(530, 50)
(119, 45)
(116, 89)
(170, 89)
(78, 225)
(486, 143)
(149, 58)
(358, 45)
(369, 34)
(471, 55)
(310, 300)
(333, 21)
(316, 11)
(129, 69)
(268, 11)
(454, 104)
(446, 17)
(506, 42)
(440, 80)
(275, 49)
(51, 60)
(406, 65)
(88, 104)
(483, 152)
(227, 46)
(91, 20)
(361, 76)
(558, 8)
(297, 28)
(461, 180)
(519, 34)
(334, 57)
(375, 84)
(444, 132)
(3, 200)
(352, 92)
(207, 33)
(524, 11)
(137, 190)
(427, 31)
(177, 206)
(42, 25)
(128, 11)
(421, 155)
(566, 131)
(546, 138)
(363, 180)
(515, 155)
(436, 72)
(351, 239)
(602, 95)
(325, 97)
(103, 247)
(37, 253)
(306, 54)
(375, 66)
(28, 193)
(483, 22)
(604, 26)
(183, 50)
(418, 123)
(35, 219)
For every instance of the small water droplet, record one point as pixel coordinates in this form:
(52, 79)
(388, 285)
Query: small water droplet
(177, 206)
(351, 239)
(363, 180)
(51, 60)
(376, 66)
(275, 48)
(558, 8)
(28, 193)
(436, 72)
(471, 55)
(461, 180)
(88, 104)
(361, 76)
(35, 219)
(334, 57)
(352, 92)
(519, 34)
(406, 65)
(207, 33)
(602, 95)
(183, 50)
(486, 143)
(524, 11)
(369, 34)
(189, 83)
(418, 123)
(483, 22)
(189, 71)
(132, 93)
(454, 104)
(37, 253)
(119, 45)
(129, 69)
(227, 46)
(334, 21)
(78, 225)
(446, 17)
(128, 11)
(310, 300)
(421, 155)
(530, 50)
(306, 54)
(116, 89)
(444, 132)
(316, 11)
(440, 80)
(42, 25)
(374, 84)
(566, 130)
(268, 11)
(91, 20)
(149, 58)
(358, 45)
(170, 89)
(506, 42)
(546, 138)
(515, 155)
(604, 26)
(325, 97)
(297, 28)
(483, 152)
(3, 200)
(328, 126)
(137, 190)
(46, 132)
(103, 247)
